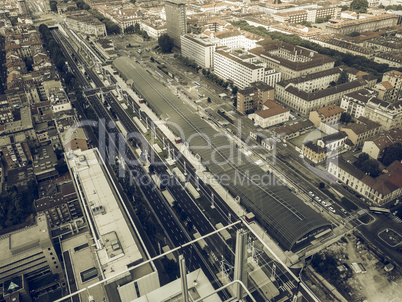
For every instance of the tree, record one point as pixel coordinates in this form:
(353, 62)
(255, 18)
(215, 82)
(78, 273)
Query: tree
(209, 100)
(137, 28)
(392, 153)
(345, 118)
(361, 159)
(371, 166)
(165, 43)
(359, 6)
(321, 185)
(354, 34)
(61, 166)
(235, 89)
(129, 29)
(344, 7)
(53, 6)
(343, 77)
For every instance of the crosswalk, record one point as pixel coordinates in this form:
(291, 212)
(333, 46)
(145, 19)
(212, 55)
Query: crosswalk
(288, 286)
(395, 218)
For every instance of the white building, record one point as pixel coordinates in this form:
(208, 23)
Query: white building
(389, 115)
(154, 29)
(236, 39)
(243, 69)
(270, 115)
(198, 49)
(355, 102)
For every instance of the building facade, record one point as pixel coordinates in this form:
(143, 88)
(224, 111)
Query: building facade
(199, 50)
(176, 20)
(253, 97)
(355, 102)
(360, 25)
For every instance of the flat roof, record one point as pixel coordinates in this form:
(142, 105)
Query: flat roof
(98, 192)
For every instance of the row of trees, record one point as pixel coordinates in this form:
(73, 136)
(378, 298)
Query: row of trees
(188, 62)
(217, 80)
(53, 47)
(136, 29)
(111, 27)
(358, 62)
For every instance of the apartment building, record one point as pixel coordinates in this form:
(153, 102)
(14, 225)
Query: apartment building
(253, 97)
(307, 93)
(326, 118)
(198, 49)
(361, 130)
(394, 77)
(154, 28)
(322, 12)
(314, 152)
(376, 146)
(292, 61)
(271, 114)
(123, 17)
(384, 91)
(393, 59)
(367, 24)
(333, 143)
(379, 190)
(236, 39)
(28, 252)
(242, 69)
(291, 17)
(388, 115)
(84, 22)
(355, 102)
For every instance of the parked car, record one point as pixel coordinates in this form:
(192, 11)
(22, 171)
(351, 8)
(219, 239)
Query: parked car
(311, 194)
(324, 203)
(331, 209)
(344, 211)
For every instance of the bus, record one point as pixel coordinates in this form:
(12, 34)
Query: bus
(198, 84)
(378, 210)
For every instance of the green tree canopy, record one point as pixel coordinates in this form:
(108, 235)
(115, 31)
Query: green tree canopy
(343, 78)
(345, 118)
(53, 6)
(165, 43)
(359, 6)
(392, 153)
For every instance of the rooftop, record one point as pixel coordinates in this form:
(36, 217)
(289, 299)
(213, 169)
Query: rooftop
(98, 193)
(330, 110)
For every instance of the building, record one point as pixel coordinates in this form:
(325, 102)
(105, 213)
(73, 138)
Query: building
(355, 102)
(198, 49)
(384, 91)
(323, 12)
(293, 130)
(291, 17)
(74, 139)
(379, 190)
(361, 130)
(394, 77)
(111, 241)
(376, 146)
(388, 115)
(176, 20)
(333, 143)
(292, 61)
(310, 92)
(28, 252)
(242, 69)
(367, 24)
(393, 59)
(326, 117)
(60, 205)
(253, 97)
(314, 152)
(271, 114)
(235, 39)
(44, 163)
(83, 22)
(154, 28)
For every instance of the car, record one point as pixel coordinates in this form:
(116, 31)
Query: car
(324, 203)
(311, 194)
(343, 222)
(338, 182)
(331, 209)
(317, 198)
(362, 199)
(301, 156)
(344, 211)
(285, 145)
